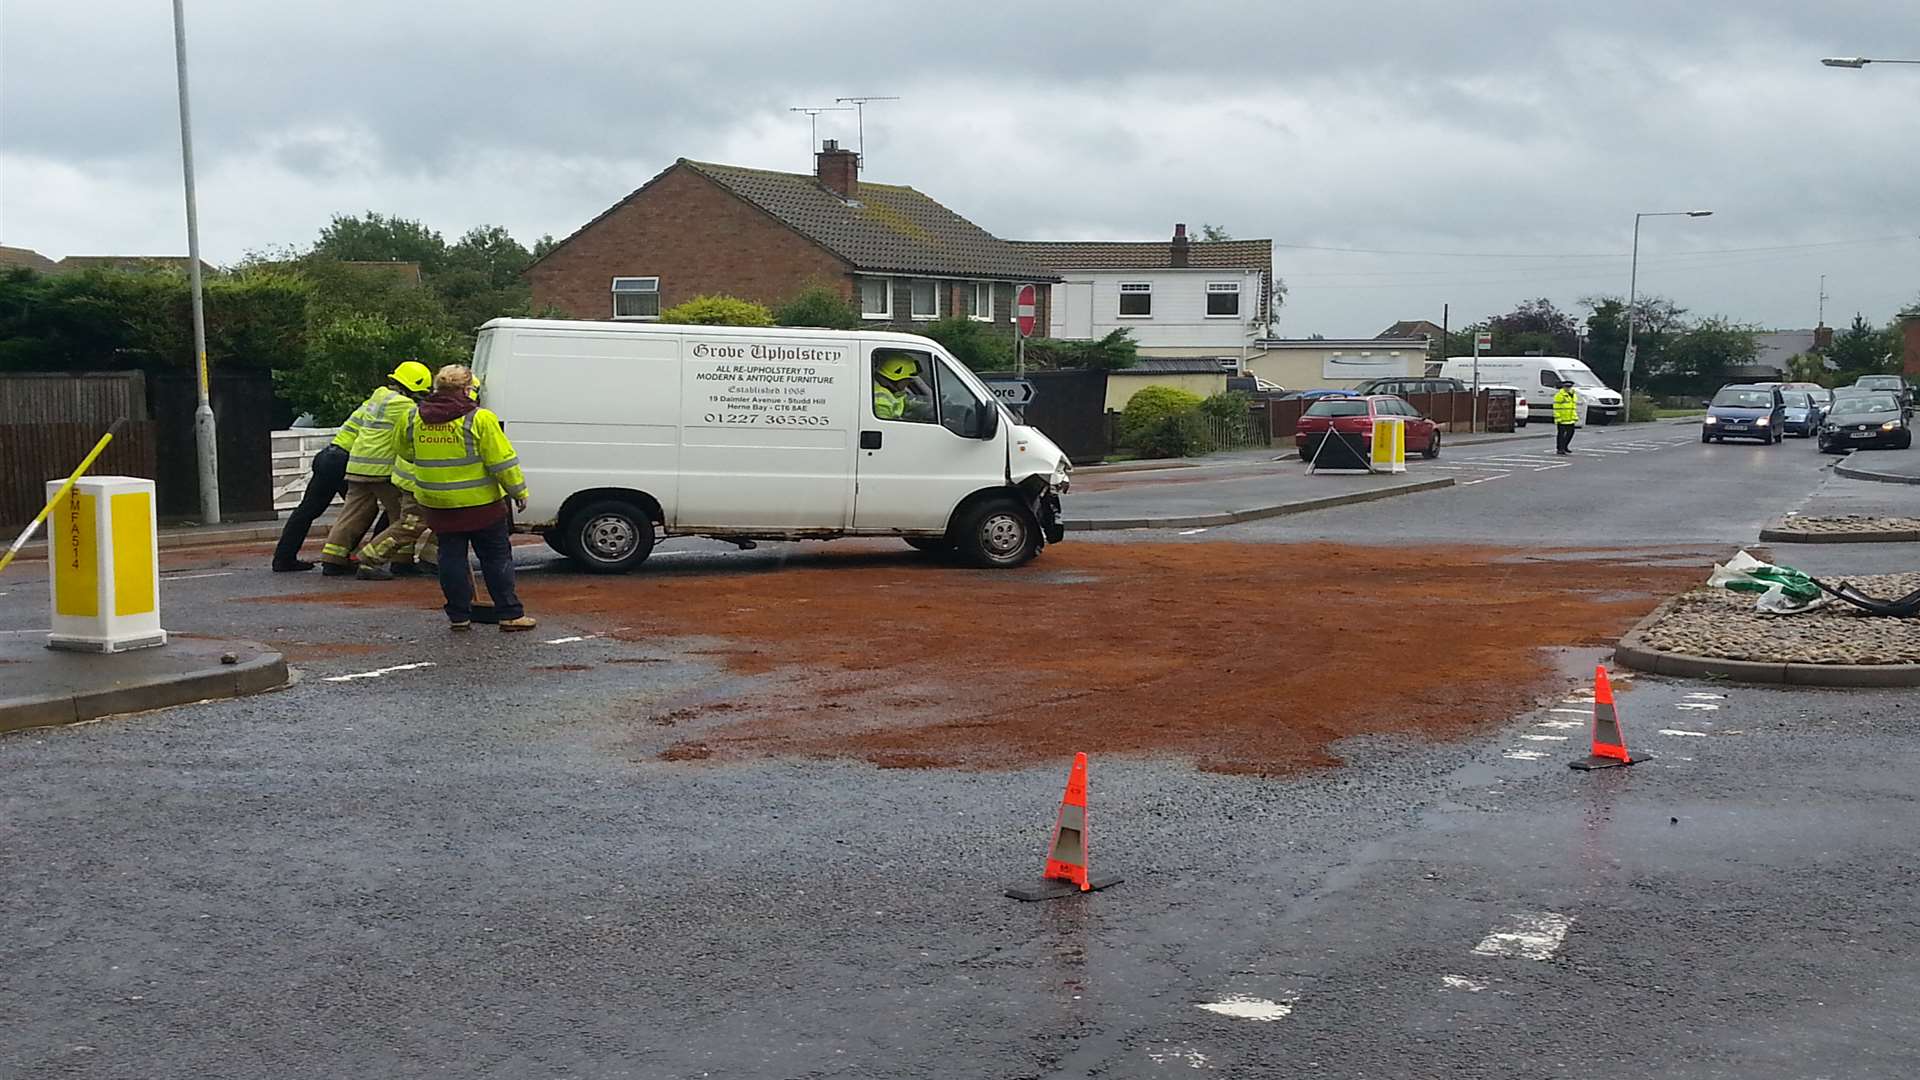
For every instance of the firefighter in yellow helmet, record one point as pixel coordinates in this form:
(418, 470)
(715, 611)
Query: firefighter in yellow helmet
(899, 390)
(370, 488)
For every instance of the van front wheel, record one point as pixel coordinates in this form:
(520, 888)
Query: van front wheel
(996, 535)
(608, 537)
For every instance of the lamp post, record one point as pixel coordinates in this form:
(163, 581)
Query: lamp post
(1633, 284)
(1860, 61)
(203, 429)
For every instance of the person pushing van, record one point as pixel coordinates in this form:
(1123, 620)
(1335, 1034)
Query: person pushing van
(370, 487)
(463, 470)
(1566, 416)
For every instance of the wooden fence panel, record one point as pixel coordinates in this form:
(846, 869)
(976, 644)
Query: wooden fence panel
(32, 454)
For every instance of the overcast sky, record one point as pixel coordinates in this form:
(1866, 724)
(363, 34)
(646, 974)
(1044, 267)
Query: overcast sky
(1518, 138)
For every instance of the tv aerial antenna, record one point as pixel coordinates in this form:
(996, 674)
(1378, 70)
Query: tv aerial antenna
(860, 109)
(813, 117)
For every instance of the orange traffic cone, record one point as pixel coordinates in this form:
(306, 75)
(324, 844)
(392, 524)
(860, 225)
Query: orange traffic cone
(1609, 745)
(1066, 872)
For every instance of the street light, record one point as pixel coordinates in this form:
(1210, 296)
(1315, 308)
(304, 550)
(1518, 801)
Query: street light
(1633, 284)
(203, 429)
(1860, 61)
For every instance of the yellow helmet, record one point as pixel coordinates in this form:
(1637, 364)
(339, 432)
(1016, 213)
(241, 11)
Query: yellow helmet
(413, 375)
(898, 366)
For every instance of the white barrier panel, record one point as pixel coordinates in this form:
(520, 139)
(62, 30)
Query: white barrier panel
(1389, 451)
(103, 549)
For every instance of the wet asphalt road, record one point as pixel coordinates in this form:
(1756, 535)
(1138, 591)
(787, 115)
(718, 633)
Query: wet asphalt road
(375, 877)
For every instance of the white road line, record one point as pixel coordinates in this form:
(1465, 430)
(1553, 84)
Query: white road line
(1576, 712)
(1484, 479)
(1523, 755)
(1461, 982)
(377, 673)
(1193, 532)
(1545, 738)
(570, 640)
(1530, 935)
(1599, 450)
(1706, 697)
(1242, 1007)
(1697, 706)
(1685, 734)
(196, 577)
(1561, 725)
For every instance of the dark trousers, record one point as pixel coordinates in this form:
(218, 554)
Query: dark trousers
(493, 546)
(1563, 437)
(328, 480)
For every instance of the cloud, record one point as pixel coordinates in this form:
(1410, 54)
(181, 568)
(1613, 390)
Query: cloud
(1516, 129)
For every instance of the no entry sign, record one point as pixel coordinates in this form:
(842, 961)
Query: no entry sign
(1024, 302)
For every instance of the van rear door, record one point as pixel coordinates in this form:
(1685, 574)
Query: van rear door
(914, 468)
(766, 432)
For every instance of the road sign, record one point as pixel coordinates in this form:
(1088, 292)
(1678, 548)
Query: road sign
(1483, 342)
(1024, 302)
(1012, 391)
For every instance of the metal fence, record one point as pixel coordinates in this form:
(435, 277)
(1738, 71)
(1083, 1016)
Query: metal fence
(293, 451)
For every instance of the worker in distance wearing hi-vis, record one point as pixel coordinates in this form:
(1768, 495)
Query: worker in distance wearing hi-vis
(370, 487)
(1566, 417)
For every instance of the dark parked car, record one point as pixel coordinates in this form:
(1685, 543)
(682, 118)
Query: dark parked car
(1353, 417)
(1745, 412)
(1403, 385)
(1862, 421)
(1804, 412)
(1895, 384)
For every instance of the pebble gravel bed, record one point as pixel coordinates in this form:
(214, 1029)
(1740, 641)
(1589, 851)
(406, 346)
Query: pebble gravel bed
(1722, 624)
(1844, 524)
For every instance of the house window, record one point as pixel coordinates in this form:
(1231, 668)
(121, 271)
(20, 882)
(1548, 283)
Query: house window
(876, 298)
(980, 301)
(924, 299)
(636, 298)
(1223, 299)
(1136, 300)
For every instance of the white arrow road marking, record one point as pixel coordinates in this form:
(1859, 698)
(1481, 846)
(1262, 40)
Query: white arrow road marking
(1530, 935)
(375, 674)
(1560, 725)
(1688, 734)
(1242, 1007)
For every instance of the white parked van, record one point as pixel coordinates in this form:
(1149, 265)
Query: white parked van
(1538, 377)
(630, 431)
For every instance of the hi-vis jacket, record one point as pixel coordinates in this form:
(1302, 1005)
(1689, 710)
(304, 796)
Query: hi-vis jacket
(376, 427)
(1566, 407)
(466, 461)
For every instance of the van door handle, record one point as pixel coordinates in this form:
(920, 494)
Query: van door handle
(869, 440)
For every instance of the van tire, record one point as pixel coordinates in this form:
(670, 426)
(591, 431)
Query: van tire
(552, 537)
(607, 537)
(997, 534)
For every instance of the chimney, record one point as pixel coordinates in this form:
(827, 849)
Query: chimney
(1822, 337)
(1179, 250)
(837, 170)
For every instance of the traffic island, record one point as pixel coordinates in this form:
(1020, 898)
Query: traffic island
(1716, 633)
(42, 687)
(1841, 529)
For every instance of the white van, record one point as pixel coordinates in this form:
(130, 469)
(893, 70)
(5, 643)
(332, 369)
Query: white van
(1538, 377)
(629, 431)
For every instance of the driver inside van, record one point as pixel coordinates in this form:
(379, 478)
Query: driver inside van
(899, 391)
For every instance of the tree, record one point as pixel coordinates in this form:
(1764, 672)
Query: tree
(1863, 349)
(718, 311)
(543, 245)
(1111, 353)
(972, 343)
(1536, 326)
(1701, 358)
(350, 353)
(374, 237)
(1657, 320)
(1214, 233)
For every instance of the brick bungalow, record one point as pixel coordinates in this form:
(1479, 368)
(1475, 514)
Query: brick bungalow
(700, 228)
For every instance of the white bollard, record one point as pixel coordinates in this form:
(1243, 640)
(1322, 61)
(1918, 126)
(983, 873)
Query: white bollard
(104, 552)
(1389, 450)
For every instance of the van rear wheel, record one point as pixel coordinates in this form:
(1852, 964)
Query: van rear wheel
(608, 537)
(998, 534)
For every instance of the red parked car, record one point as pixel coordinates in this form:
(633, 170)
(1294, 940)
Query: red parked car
(1353, 417)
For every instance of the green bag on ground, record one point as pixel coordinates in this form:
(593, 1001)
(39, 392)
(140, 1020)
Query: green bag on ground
(1779, 590)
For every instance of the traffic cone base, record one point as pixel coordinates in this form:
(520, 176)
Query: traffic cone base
(1066, 872)
(1609, 746)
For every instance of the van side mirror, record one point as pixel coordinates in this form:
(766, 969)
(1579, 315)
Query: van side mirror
(986, 421)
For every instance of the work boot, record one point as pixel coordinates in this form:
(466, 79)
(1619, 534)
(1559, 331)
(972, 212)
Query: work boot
(293, 567)
(334, 569)
(460, 624)
(508, 626)
(369, 572)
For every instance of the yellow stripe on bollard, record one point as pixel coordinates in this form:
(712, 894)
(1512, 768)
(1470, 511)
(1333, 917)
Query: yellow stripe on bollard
(133, 553)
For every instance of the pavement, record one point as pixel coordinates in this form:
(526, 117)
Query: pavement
(1889, 467)
(41, 686)
(463, 856)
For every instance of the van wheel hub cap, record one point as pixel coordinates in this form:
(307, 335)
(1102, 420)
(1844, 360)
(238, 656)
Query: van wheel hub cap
(610, 538)
(1003, 534)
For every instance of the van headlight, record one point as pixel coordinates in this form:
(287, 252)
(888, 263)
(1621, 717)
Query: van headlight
(1062, 476)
